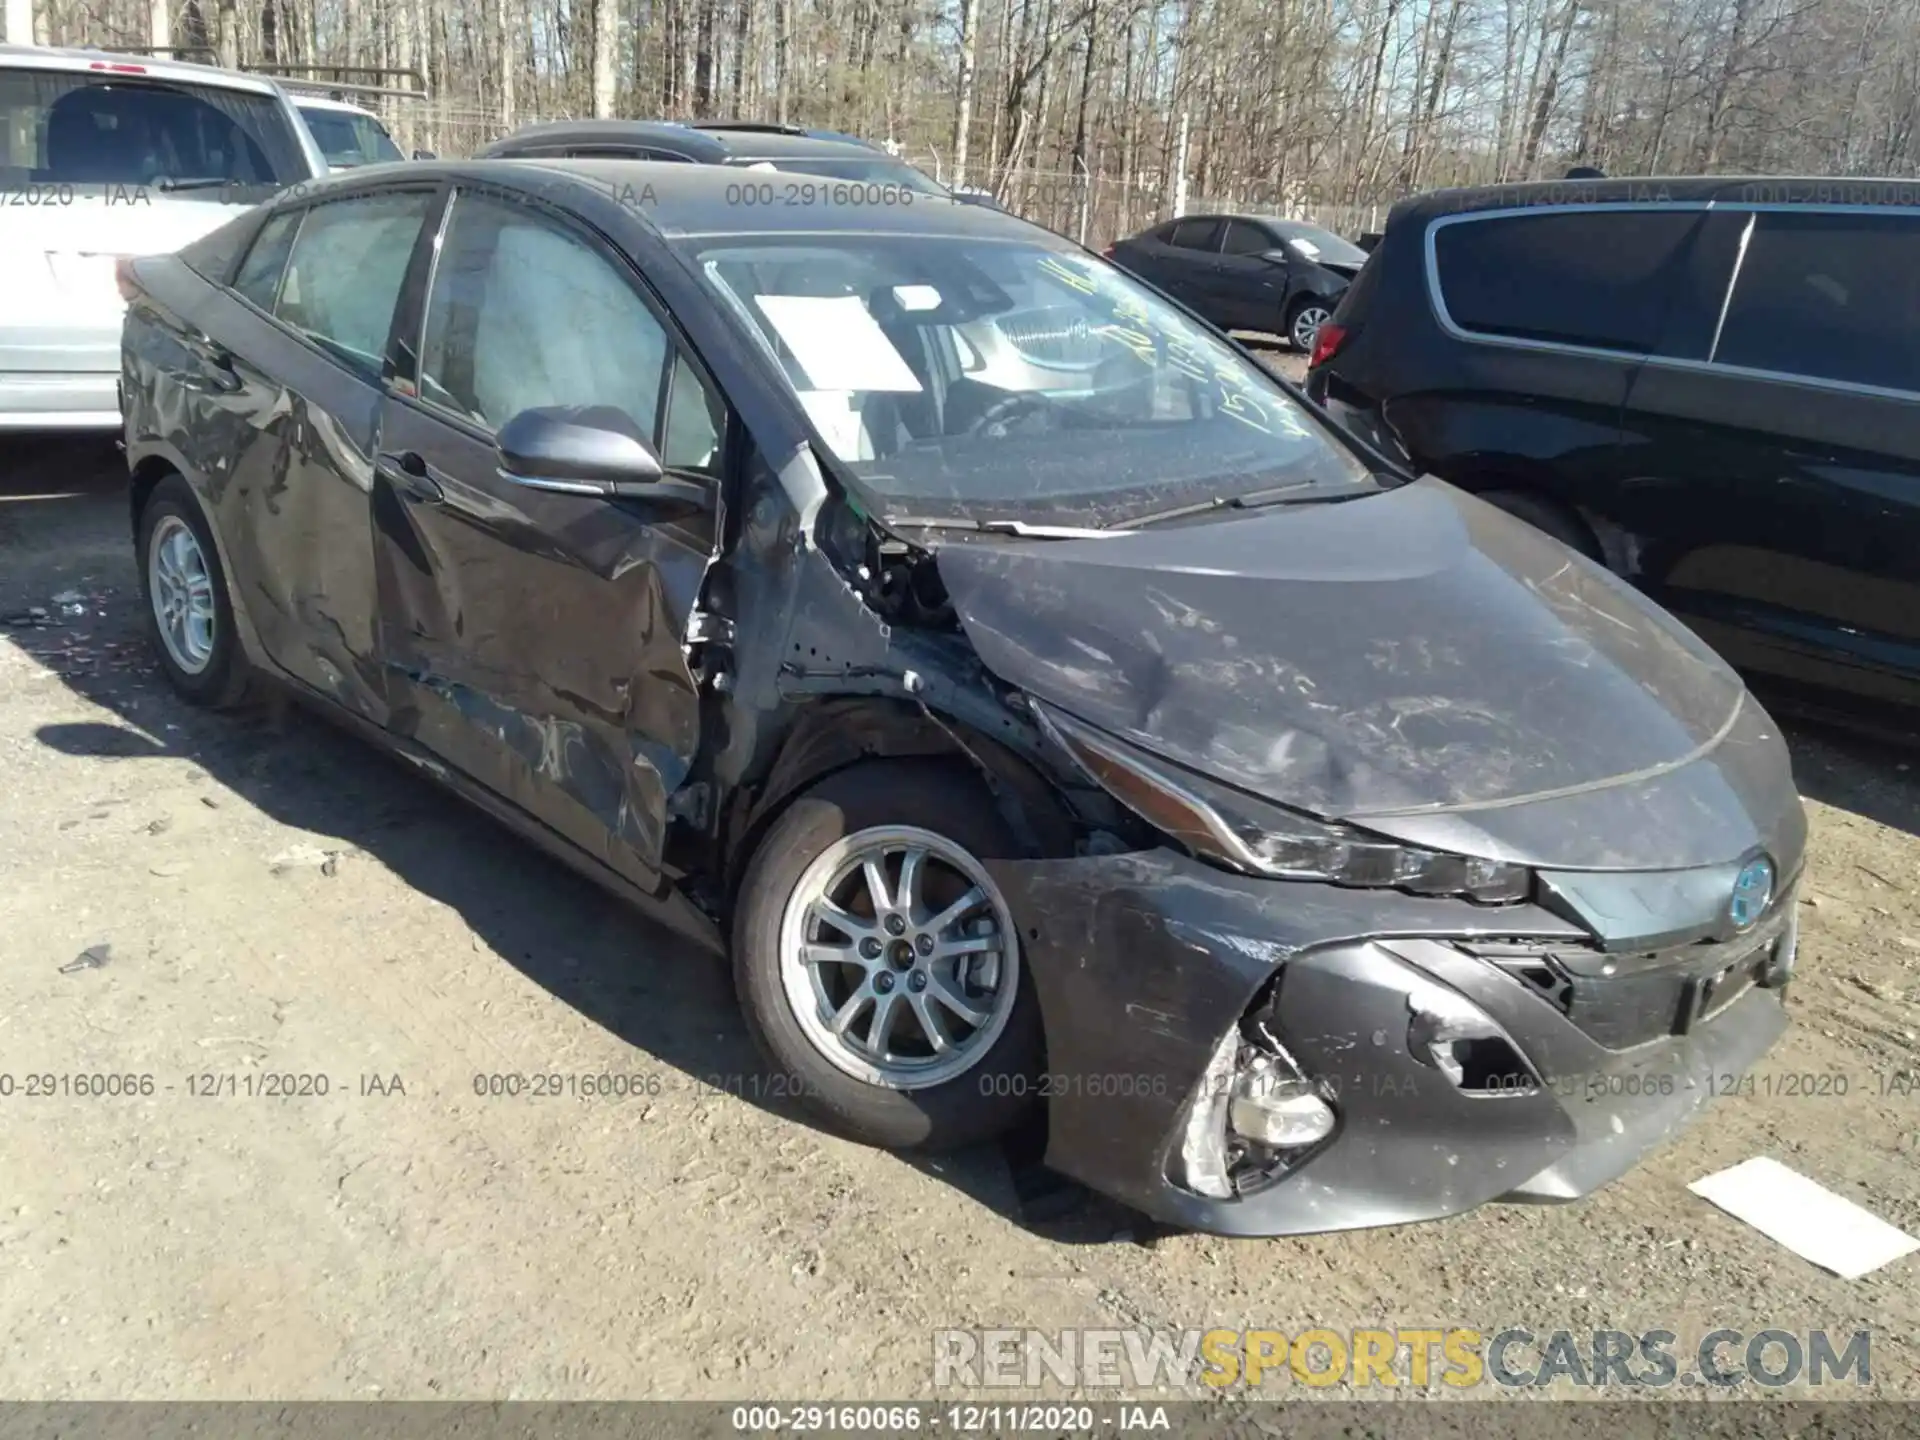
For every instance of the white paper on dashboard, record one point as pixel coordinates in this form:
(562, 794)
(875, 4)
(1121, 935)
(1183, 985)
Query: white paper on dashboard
(1807, 1218)
(838, 422)
(837, 342)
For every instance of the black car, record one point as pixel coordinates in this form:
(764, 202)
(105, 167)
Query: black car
(1711, 385)
(1247, 272)
(1038, 702)
(747, 144)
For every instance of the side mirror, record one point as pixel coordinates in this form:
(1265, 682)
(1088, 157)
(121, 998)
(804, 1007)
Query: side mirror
(1278, 257)
(425, 155)
(590, 450)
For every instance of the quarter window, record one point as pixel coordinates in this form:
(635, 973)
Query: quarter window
(1591, 278)
(345, 272)
(259, 277)
(1831, 296)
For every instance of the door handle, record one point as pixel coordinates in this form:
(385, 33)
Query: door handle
(408, 472)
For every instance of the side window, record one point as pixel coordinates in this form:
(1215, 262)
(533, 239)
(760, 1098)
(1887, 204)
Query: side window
(345, 272)
(523, 313)
(259, 277)
(1832, 296)
(606, 152)
(1196, 235)
(1246, 238)
(1593, 278)
(695, 426)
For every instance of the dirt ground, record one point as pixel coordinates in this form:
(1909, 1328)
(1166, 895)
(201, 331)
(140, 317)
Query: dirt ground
(284, 901)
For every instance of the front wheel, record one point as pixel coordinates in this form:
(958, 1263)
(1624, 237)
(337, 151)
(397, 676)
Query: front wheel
(1304, 328)
(879, 964)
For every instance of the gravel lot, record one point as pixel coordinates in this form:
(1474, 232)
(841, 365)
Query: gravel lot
(280, 900)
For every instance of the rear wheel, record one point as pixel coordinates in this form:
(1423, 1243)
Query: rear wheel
(1544, 514)
(879, 964)
(189, 614)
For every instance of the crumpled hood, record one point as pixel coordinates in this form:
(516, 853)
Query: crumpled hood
(1416, 661)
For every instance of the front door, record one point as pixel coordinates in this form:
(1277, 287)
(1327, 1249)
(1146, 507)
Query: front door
(535, 639)
(1251, 289)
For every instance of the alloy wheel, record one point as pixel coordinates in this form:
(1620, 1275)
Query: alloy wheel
(899, 957)
(181, 592)
(1306, 326)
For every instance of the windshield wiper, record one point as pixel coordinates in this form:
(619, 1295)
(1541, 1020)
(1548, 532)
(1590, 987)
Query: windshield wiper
(202, 182)
(1248, 500)
(1004, 527)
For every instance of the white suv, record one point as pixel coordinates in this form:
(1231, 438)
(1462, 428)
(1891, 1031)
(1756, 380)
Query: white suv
(104, 156)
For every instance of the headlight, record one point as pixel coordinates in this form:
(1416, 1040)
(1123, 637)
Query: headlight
(1248, 834)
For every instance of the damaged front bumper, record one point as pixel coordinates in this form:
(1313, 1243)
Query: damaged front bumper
(1252, 1057)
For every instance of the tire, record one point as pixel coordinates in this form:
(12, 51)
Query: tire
(1298, 313)
(787, 1003)
(222, 680)
(1543, 514)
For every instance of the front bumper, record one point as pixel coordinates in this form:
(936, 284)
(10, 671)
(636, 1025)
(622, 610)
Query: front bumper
(1143, 962)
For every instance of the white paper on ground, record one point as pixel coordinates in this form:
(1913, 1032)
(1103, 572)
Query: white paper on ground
(838, 344)
(1807, 1218)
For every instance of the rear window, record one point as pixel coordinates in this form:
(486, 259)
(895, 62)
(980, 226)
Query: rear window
(1832, 296)
(347, 138)
(1592, 278)
(196, 141)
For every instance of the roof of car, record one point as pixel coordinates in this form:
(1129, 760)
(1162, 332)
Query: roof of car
(327, 102)
(711, 142)
(1661, 189)
(78, 61)
(682, 200)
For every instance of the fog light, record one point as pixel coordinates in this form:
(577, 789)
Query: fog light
(1253, 1116)
(1282, 1114)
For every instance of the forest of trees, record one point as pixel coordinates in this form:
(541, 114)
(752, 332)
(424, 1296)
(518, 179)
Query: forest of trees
(1081, 113)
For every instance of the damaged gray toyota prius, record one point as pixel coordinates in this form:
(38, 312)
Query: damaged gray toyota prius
(1053, 716)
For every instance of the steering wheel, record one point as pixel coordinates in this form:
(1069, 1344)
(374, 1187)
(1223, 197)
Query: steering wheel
(994, 418)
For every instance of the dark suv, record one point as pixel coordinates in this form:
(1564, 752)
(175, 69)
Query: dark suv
(1711, 385)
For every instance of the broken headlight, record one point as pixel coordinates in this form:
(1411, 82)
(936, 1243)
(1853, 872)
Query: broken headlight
(1251, 835)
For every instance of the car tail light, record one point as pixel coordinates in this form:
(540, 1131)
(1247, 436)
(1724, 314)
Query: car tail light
(117, 68)
(1107, 253)
(123, 277)
(1327, 343)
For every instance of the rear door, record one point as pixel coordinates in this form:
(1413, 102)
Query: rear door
(1550, 313)
(305, 523)
(535, 638)
(1185, 266)
(1780, 472)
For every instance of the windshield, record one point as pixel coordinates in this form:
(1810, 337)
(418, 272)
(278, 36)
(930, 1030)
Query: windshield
(979, 379)
(347, 139)
(878, 171)
(61, 128)
(1322, 245)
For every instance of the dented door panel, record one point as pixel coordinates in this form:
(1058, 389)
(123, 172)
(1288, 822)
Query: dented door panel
(534, 640)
